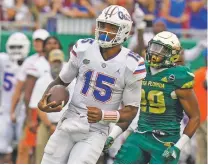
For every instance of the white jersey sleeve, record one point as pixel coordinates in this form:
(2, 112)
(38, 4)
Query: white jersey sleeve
(135, 72)
(39, 89)
(36, 94)
(27, 64)
(39, 68)
(71, 69)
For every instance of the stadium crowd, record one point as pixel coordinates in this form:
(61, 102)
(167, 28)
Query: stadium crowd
(183, 14)
(29, 142)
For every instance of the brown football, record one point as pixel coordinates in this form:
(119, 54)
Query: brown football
(59, 94)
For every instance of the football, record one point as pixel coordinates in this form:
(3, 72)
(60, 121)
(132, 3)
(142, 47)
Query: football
(60, 94)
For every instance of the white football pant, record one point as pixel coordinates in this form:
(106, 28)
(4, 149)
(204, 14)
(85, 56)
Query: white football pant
(73, 142)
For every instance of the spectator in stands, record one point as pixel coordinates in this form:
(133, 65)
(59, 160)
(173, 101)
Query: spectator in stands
(139, 41)
(148, 7)
(38, 7)
(198, 14)
(158, 6)
(16, 10)
(127, 4)
(174, 13)
(78, 9)
(98, 5)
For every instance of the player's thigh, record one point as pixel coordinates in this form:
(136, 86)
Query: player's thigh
(158, 148)
(131, 152)
(89, 150)
(58, 148)
(6, 134)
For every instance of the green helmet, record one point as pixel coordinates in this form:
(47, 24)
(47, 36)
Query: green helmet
(164, 45)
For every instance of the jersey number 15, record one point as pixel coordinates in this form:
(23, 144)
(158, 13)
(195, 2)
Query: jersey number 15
(102, 91)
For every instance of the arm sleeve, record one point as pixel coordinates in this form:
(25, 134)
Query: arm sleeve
(36, 95)
(132, 94)
(21, 76)
(33, 70)
(71, 68)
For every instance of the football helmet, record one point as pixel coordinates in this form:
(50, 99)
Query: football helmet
(166, 47)
(118, 16)
(18, 46)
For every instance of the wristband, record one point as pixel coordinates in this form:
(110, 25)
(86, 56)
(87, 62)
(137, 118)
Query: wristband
(116, 131)
(110, 116)
(182, 141)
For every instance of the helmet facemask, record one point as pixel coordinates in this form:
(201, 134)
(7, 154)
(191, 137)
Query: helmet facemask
(16, 53)
(160, 55)
(107, 39)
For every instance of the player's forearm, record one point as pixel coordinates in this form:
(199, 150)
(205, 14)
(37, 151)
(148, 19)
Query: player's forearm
(192, 125)
(16, 95)
(29, 85)
(127, 114)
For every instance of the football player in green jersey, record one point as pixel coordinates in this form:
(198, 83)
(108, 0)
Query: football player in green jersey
(166, 93)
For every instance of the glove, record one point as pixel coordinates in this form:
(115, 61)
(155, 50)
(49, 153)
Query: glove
(171, 153)
(202, 44)
(138, 17)
(108, 144)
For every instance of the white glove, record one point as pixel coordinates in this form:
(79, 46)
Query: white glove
(138, 17)
(203, 44)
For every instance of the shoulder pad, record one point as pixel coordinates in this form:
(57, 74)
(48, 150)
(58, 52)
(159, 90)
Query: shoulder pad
(184, 77)
(81, 46)
(134, 61)
(4, 56)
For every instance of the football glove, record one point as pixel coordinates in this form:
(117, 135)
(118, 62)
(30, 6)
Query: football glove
(108, 144)
(171, 153)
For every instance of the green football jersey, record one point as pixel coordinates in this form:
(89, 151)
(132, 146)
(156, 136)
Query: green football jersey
(160, 107)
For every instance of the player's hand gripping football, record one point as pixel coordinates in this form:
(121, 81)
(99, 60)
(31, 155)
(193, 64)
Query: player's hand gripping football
(108, 144)
(44, 106)
(171, 153)
(94, 114)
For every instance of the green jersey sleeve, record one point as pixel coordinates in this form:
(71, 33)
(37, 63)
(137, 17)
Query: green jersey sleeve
(184, 78)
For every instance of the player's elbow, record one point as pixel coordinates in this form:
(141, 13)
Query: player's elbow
(196, 119)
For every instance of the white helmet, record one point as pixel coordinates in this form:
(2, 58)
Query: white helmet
(18, 46)
(167, 45)
(116, 15)
(40, 34)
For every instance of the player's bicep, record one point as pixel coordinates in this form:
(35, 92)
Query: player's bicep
(70, 69)
(189, 101)
(132, 94)
(36, 96)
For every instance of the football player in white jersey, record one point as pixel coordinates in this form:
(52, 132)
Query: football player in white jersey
(17, 48)
(107, 74)
(38, 38)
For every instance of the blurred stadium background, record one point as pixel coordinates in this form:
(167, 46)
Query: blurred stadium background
(70, 20)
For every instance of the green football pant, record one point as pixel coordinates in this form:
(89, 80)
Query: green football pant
(144, 148)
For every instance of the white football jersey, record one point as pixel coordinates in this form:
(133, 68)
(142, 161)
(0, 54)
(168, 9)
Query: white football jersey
(39, 67)
(103, 84)
(27, 65)
(9, 71)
